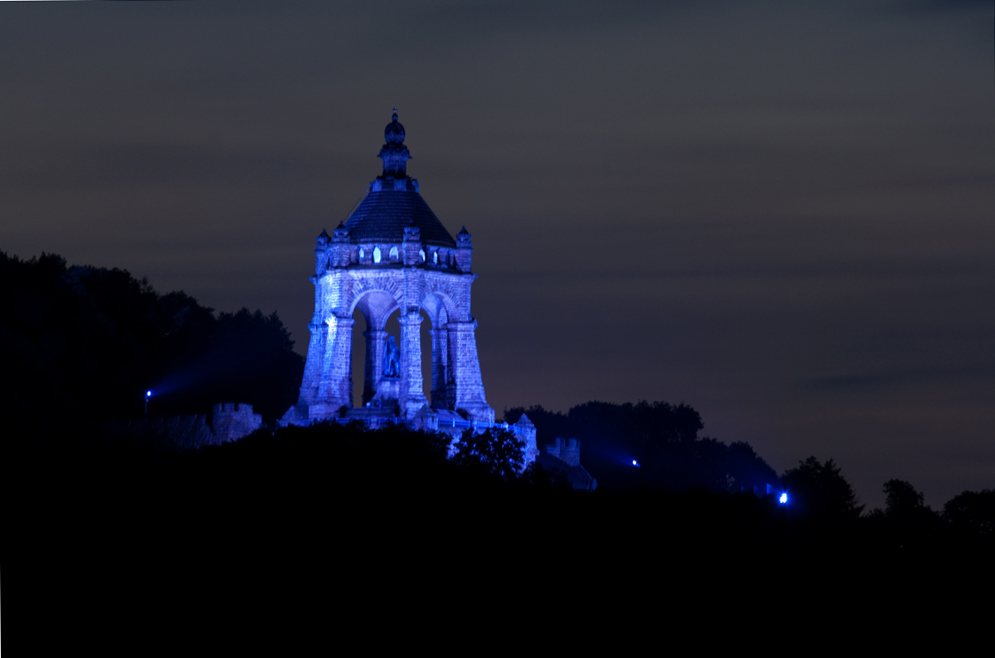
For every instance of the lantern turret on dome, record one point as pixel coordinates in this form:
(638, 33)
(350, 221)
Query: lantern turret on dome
(394, 153)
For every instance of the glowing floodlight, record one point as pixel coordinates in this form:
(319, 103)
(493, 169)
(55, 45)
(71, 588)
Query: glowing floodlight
(148, 394)
(635, 463)
(783, 499)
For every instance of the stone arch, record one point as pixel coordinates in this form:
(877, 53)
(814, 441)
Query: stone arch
(441, 291)
(438, 308)
(376, 306)
(386, 283)
(455, 290)
(417, 350)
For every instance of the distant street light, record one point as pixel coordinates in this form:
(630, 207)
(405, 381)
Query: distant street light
(148, 394)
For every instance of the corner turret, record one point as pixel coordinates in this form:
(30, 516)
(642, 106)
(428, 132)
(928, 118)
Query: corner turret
(464, 250)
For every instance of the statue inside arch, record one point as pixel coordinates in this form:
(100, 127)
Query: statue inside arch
(391, 358)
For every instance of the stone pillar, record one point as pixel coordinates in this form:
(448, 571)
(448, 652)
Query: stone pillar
(464, 251)
(312, 366)
(411, 246)
(440, 358)
(412, 395)
(339, 252)
(465, 367)
(335, 387)
(374, 362)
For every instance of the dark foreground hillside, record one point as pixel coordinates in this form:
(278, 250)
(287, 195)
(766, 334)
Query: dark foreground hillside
(331, 522)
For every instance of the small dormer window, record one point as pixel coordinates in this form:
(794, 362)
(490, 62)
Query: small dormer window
(393, 254)
(435, 257)
(376, 254)
(362, 254)
(421, 252)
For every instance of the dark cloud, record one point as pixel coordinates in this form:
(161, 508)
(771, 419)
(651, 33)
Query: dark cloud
(163, 164)
(940, 5)
(869, 383)
(497, 16)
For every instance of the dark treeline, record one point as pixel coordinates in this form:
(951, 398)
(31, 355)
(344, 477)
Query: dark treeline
(661, 438)
(83, 344)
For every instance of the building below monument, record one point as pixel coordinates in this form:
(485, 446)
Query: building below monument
(228, 421)
(562, 458)
(393, 255)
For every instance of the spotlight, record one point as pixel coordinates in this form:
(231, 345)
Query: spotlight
(635, 463)
(783, 499)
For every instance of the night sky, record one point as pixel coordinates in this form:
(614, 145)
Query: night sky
(778, 212)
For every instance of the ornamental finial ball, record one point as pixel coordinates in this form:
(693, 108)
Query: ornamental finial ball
(394, 132)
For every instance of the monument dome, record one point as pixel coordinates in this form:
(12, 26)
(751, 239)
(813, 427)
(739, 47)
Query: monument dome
(393, 202)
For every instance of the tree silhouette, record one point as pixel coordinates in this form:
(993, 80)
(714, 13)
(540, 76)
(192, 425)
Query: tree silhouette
(972, 513)
(907, 522)
(821, 492)
(497, 453)
(902, 499)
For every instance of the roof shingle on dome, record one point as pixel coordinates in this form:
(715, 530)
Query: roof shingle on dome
(383, 215)
(393, 201)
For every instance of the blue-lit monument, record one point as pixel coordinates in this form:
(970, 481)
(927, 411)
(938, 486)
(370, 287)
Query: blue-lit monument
(394, 255)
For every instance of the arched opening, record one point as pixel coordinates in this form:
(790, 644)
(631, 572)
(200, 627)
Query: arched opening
(358, 356)
(368, 339)
(438, 372)
(367, 360)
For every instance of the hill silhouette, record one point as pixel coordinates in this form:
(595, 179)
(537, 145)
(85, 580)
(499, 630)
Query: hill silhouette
(83, 344)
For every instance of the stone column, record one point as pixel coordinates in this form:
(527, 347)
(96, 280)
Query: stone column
(411, 247)
(335, 387)
(465, 367)
(312, 366)
(412, 395)
(374, 362)
(440, 354)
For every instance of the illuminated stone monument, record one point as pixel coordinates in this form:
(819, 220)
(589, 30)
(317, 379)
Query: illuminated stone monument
(394, 255)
